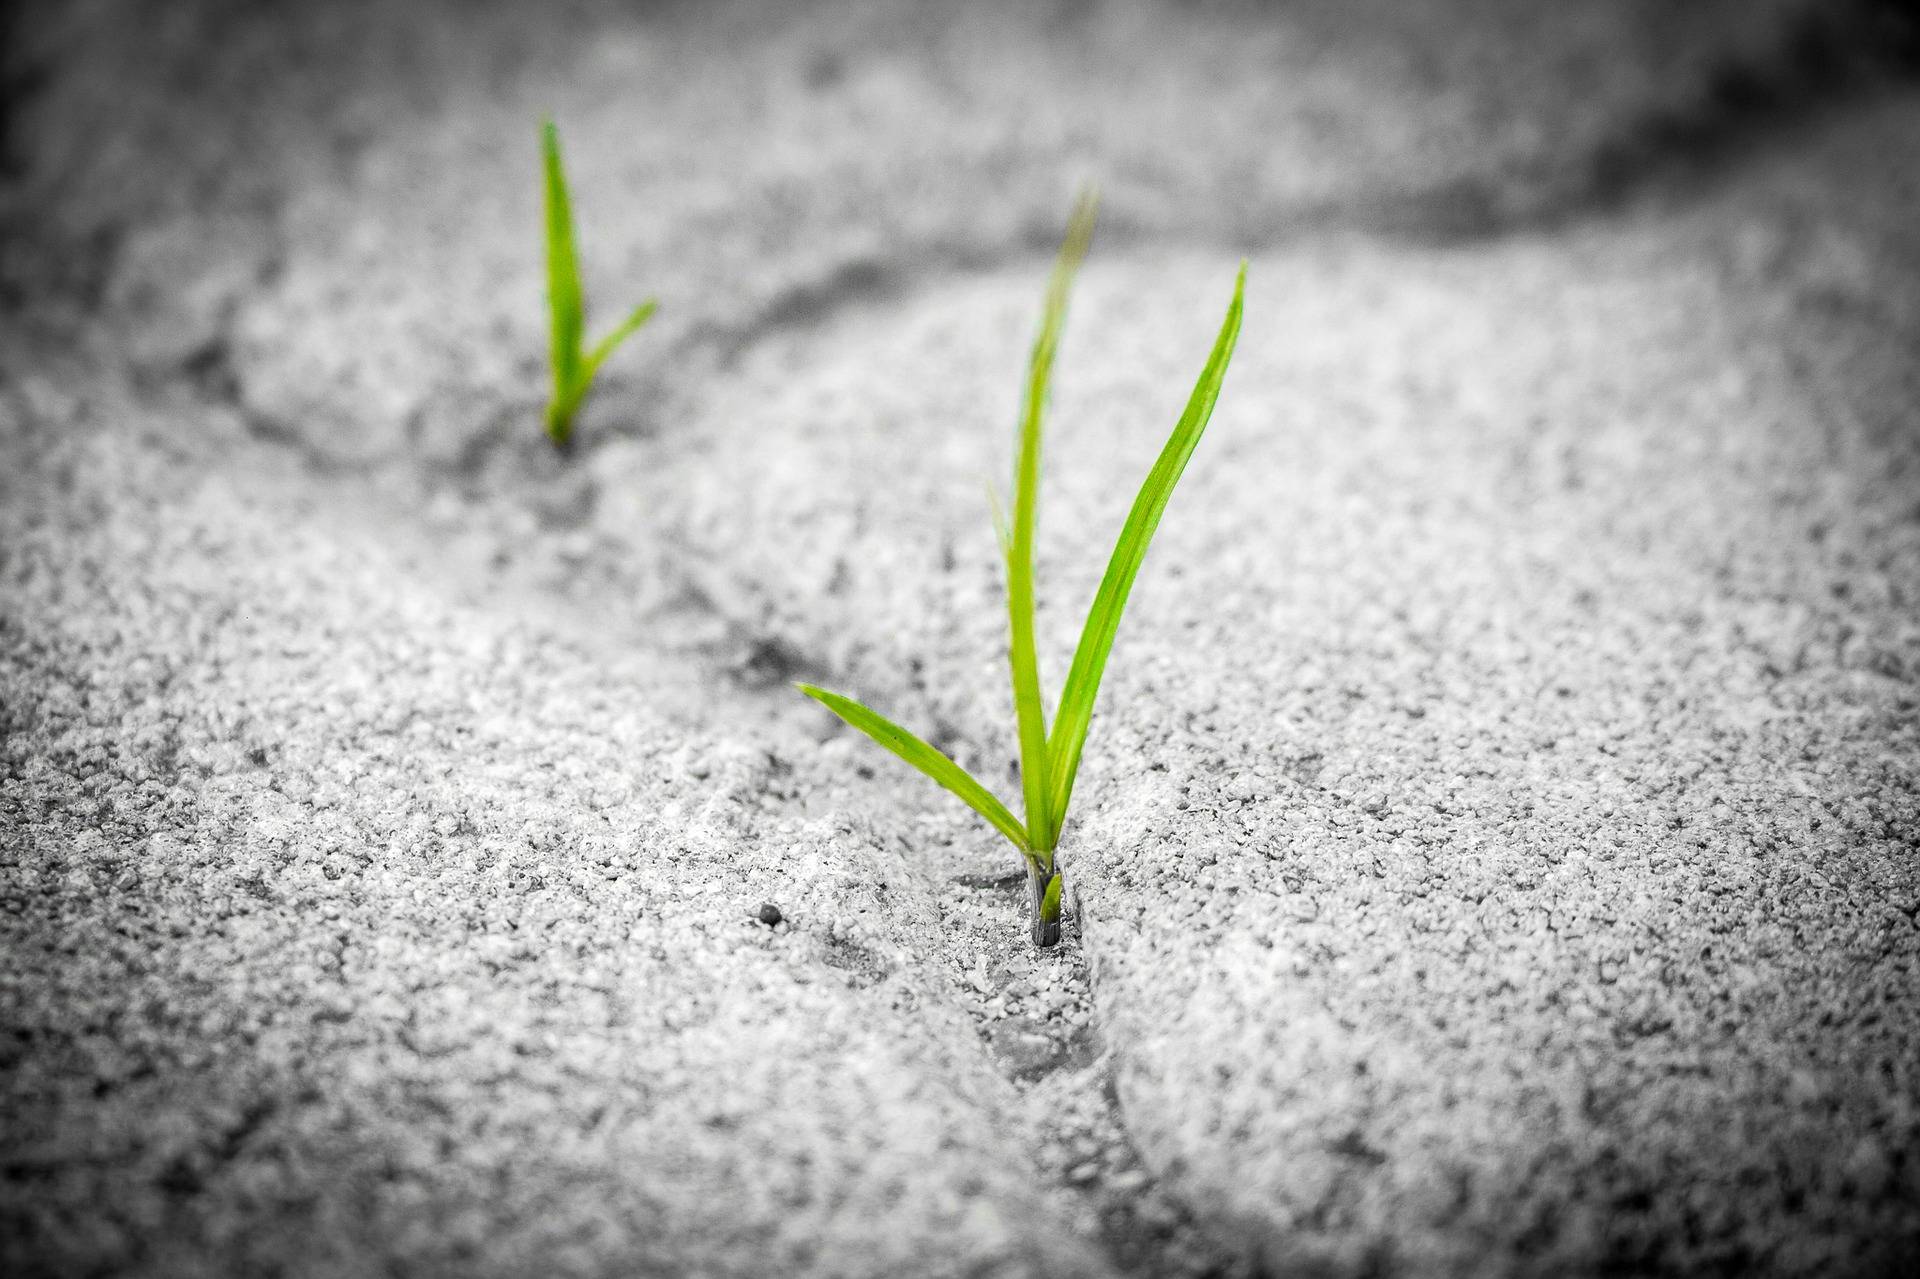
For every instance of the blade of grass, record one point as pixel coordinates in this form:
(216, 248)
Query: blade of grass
(565, 301)
(1043, 903)
(926, 759)
(1050, 900)
(1035, 769)
(605, 347)
(1082, 688)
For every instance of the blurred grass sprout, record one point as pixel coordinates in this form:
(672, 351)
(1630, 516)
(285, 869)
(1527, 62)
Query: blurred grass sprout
(574, 365)
(1050, 756)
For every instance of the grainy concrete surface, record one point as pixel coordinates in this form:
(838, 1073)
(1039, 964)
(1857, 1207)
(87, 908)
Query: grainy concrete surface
(1497, 847)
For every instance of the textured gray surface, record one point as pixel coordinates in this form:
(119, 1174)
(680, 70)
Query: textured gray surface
(1497, 850)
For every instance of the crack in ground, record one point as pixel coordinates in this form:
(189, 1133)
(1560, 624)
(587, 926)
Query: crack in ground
(1035, 1013)
(1824, 59)
(212, 374)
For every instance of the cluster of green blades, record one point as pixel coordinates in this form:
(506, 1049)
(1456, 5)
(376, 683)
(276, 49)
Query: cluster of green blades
(1050, 755)
(574, 364)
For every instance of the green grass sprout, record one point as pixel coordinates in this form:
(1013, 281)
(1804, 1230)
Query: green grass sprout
(574, 365)
(1050, 756)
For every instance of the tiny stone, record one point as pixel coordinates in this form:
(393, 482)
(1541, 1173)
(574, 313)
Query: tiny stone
(1081, 1174)
(770, 914)
(1026, 1053)
(1157, 1213)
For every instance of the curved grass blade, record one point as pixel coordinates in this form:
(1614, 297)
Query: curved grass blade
(1035, 769)
(566, 303)
(1110, 601)
(1050, 900)
(925, 758)
(605, 347)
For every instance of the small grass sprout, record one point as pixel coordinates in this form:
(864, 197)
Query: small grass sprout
(1050, 754)
(574, 364)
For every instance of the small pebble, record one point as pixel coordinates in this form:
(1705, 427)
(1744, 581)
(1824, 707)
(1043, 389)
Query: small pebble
(1158, 1213)
(770, 914)
(1081, 1174)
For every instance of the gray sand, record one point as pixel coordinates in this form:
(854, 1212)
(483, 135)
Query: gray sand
(1498, 850)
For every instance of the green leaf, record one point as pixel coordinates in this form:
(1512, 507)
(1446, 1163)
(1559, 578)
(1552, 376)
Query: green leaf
(565, 302)
(1110, 601)
(1035, 769)
(925, 758)
(633, 324)
(1050, 900)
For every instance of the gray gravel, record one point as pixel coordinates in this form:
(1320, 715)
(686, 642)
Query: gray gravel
(1496, 852)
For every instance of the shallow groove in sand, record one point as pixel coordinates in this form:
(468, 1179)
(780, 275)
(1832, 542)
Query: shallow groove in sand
(1059, 1067)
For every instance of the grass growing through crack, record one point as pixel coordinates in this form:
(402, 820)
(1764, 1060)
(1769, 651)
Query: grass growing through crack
(1050, 755)
(574, 364)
